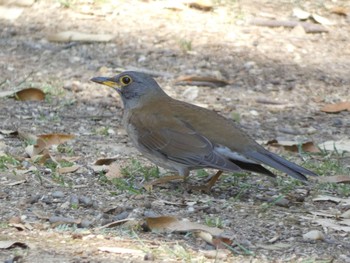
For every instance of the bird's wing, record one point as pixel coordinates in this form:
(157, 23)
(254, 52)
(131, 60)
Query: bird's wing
(182, 144)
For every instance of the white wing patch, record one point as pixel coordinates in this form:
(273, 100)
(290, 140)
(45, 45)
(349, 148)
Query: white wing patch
(232, 155)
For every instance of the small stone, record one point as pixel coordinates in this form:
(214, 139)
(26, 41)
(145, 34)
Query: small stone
(85, 223)
(58, 194)
(314, 235)
(121, 216)
(85, 201)
(74, 200)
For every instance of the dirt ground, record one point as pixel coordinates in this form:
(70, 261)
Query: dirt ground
(279, 79)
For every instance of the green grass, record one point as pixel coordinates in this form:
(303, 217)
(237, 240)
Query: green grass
(7, 160)
(133, 176)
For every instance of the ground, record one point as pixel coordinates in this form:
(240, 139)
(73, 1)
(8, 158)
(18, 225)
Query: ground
(279, 79)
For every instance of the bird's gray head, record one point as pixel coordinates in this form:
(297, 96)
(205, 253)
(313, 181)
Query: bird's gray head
(133, 87)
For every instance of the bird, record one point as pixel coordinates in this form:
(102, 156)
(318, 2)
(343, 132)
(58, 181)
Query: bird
(182, 137)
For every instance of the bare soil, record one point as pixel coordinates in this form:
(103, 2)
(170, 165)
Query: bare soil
(299, 72)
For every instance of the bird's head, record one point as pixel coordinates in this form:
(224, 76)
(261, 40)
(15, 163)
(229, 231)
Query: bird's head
(134, 88)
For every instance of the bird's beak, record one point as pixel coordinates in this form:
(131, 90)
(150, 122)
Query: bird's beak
(106, 81)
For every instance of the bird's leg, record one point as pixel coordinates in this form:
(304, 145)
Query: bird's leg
(207, 187)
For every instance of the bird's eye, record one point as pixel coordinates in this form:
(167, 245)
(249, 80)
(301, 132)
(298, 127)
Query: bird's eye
(125, 80)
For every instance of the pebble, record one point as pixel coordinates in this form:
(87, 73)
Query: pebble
(85, 201)
(58, 194)
(121, 216)
(85, 223)
(74, 200)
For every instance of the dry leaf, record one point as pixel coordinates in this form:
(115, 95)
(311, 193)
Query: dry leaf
(149, 186)
(336, 107)
(169, 223)
(337, 146)
(30, 94)
(339, 225)
(70, 169)
(314, 235)
(203, 5)
(201, 81)
(293, 146)
(6, 244)
(114, 171)
(69, 36)
(339, 10)
(105, 161)
(334, 199)
(301, 14)
(334, 179)
(6, 93)
(322, 20)
(55, 138)
(121, 250)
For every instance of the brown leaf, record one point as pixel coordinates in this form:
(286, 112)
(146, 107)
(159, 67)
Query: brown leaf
(69, 36)
(114, 171)
(201, 81)
(30, 94)
(293, 146)
(336, 107)
(334, 199)
(70, 169)
(105, 161)
(340, 10)
(334, 179)
(55, 138)
(203, 5)
(169, 223)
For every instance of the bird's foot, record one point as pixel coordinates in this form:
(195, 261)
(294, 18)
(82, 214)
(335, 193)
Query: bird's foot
(207, 187)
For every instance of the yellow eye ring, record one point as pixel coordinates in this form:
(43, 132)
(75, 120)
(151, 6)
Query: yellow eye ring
(125, 80)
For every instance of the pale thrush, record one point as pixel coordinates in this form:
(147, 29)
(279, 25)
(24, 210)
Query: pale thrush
(182, 137)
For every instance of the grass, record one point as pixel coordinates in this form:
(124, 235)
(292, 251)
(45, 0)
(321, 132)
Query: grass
(7, 160)
(133, 175)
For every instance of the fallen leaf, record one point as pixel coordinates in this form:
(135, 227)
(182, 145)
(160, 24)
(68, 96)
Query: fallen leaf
(337, 146)
(149, 186)
(332, 199)
(339, 225)
(340, 10)
(55, 138)
(69, 36)
(6, 244)
(301, 14)
(121, 250)
(6, 93)
(105, 161)
(30, 94)
(336, 107)
(334, 179)
(172, 224)
(294, 146)
(322, 20)
(114, 171)
(314, 235)
(70, 169)
(201, 81)
(203, 5)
